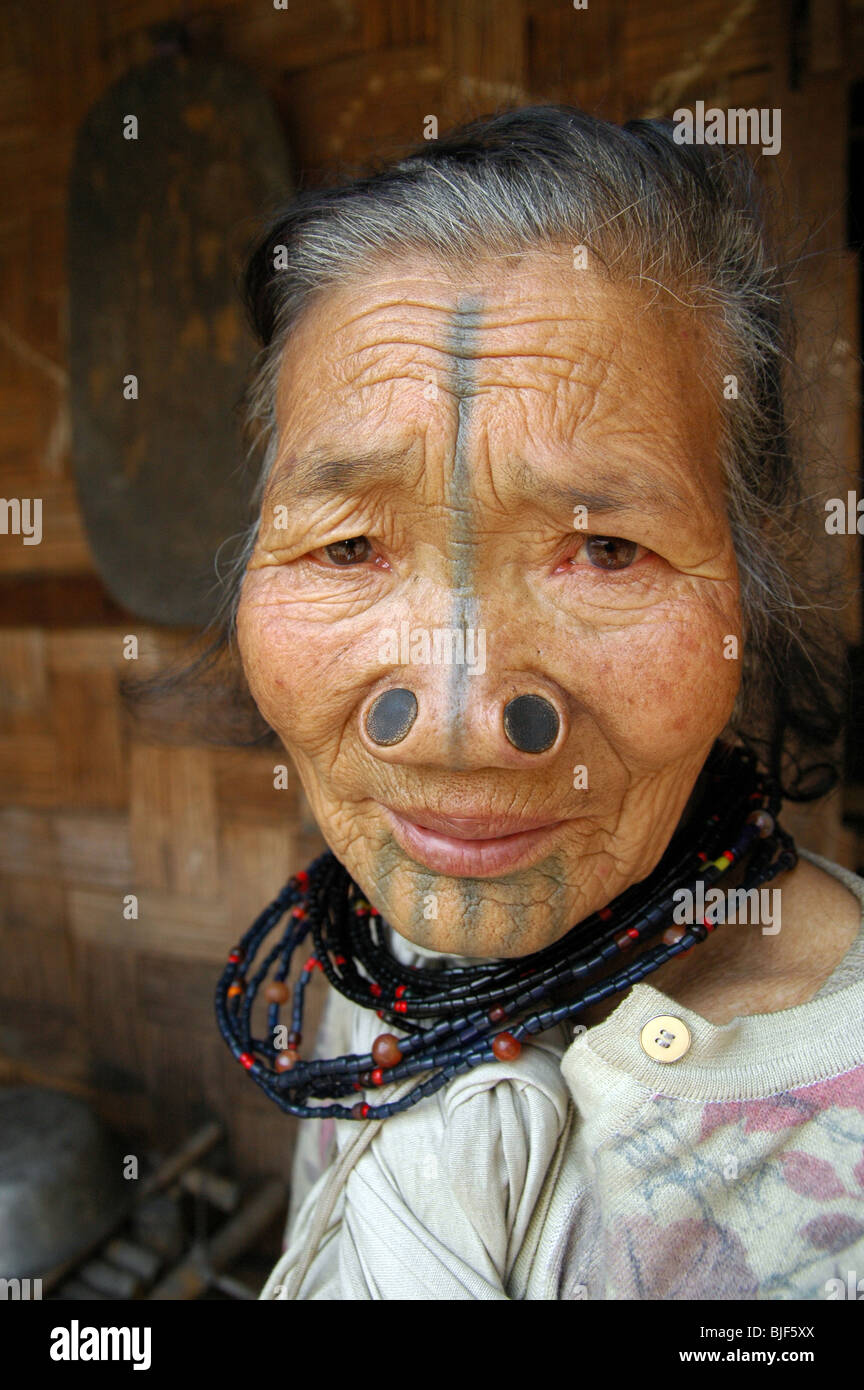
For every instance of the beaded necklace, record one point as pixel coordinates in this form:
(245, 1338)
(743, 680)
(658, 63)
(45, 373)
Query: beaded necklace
(452, 1019)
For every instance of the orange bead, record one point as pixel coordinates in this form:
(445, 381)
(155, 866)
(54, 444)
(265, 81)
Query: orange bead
(277, 992)
(287, 1059)
(506, 1047)
(386, 1050)
(234, 990)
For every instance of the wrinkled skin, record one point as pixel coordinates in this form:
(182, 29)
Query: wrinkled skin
(500, 385)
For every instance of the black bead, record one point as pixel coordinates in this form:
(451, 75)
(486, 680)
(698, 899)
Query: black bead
(531, 723)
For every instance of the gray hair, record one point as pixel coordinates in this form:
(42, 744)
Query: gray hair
(687, 220)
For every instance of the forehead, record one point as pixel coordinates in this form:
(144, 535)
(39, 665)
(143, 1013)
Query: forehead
(571, 357)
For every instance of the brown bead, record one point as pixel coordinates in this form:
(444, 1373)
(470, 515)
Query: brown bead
(386, 1050)
(497, 1014)
(506, 1047)
(277, 992)
(764, 822)
(287, 1059)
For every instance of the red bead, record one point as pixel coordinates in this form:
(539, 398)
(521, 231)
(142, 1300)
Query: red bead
(235, 956)
(302, 879)
(294, 1039)
(377, 1076)
(277, 992)
(633, 933)
(247, 1060)
(386, 1050)
(287, 1059)
(506, 1047)
(338, 960)
(380, 1013)
(360, 1111)
(400, 1007)
(356, 1085)
(298, 913)
(400, 990)
(311, 963)
(604, 914)
(497, 1014)
(701, 855)
(375, 991)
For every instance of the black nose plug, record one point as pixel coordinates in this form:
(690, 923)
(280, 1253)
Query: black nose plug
(390, 716)
(531, 723)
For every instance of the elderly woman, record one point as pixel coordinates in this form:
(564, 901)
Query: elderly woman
(523, 601)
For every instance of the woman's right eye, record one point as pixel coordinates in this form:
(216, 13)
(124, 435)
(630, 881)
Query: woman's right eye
(355, 551)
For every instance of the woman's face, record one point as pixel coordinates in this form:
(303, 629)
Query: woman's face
(493, 485)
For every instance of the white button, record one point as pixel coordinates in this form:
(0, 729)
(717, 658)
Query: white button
(665, 1038)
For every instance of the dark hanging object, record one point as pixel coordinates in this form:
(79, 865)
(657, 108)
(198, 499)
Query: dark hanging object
(158, 226)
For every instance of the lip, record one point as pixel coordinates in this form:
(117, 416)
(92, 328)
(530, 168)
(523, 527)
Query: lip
(477, 846)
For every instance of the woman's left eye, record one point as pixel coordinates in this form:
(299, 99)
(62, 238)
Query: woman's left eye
(609, 552)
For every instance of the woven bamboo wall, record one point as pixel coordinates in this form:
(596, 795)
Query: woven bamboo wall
(90, 811)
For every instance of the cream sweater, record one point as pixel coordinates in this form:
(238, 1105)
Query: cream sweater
(586, 1169)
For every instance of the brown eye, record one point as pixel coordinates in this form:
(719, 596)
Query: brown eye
(355, 551)
(610, 552)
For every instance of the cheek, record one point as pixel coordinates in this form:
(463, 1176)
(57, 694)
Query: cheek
(304, 677)
(664, 686)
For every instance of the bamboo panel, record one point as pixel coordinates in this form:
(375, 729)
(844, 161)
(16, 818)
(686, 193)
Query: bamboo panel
(107, 981)
(244, 781)
(187, 928)
(29, 771)
(362, 108)
(173, 819)
(91, 766)
(88, 650)
(23, 681)
(572, 56)
(93, 849)
(28, 842)
(38, 963)
(257, 859)
(667, 54)
(306, 34)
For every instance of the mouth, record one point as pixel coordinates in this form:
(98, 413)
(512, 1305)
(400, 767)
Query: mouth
(478, 846)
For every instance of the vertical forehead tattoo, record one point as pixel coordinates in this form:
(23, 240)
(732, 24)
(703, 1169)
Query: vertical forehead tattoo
(462, 538)
(461, 535)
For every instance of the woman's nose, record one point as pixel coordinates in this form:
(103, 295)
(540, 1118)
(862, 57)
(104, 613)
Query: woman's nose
(487, 728)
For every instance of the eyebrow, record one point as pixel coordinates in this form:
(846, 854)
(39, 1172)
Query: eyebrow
(321, 475)
(614, 491)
